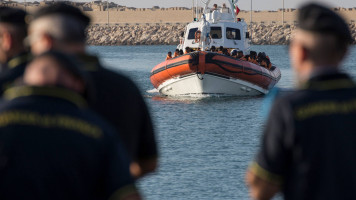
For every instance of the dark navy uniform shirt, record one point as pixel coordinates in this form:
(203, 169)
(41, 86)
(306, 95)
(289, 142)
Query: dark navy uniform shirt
(309, 142)
(52, 148)
(119, 101)
(12, 70)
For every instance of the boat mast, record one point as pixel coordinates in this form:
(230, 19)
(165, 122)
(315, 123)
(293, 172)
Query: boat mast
(206, 5)
(193, 9)
(196, 11)
(232, 3)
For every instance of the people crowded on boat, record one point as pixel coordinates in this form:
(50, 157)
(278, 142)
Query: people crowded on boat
(176, 53)
(221, 50)
(253, 57)
(240, 54)
(181, 52)
(234, 53)
(245, 57)
(213, 49)
(226, 52)
(169, 55)
(187, 50)
(263, 60)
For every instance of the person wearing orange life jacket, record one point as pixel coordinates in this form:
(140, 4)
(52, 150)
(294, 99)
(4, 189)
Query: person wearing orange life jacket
(169, 56)
(221, 50)
(176, 53)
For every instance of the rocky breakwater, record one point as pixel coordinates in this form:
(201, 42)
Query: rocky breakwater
(271, 34)
(168, 34)
(134, 35)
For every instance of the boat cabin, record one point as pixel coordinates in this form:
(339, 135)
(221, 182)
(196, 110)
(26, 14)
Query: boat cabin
(223, 30)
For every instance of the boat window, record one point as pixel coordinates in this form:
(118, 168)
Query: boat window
(215, 32)
(191, 34)
(233, 34)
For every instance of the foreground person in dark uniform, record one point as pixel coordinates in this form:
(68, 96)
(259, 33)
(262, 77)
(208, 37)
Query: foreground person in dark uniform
(13, 57)
(309, 143)
(51, 147)
(117, 99)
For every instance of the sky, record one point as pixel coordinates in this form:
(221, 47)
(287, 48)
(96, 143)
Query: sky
(243, 4)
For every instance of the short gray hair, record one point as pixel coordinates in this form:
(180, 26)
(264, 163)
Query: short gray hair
(61, 28)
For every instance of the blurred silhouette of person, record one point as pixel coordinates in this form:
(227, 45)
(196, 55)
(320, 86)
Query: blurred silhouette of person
(13, 56)
(308, 143)
(52, 147)
(117, 99)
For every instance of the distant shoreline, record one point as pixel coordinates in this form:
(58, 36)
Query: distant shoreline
(168, 34)
(112, 13)
(121, 25)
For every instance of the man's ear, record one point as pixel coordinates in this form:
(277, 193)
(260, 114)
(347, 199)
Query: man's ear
(48, 41)
(7, 42)
(304, 53)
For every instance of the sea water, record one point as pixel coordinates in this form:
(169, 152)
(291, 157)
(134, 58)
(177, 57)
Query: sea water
(205, 144)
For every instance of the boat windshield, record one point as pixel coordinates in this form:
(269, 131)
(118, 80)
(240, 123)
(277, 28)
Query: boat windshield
(191, 34)
(215, 32)
(233, 34)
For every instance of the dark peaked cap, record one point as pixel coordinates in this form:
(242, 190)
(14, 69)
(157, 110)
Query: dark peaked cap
(63, 9)
(319, 19)
(12, 16)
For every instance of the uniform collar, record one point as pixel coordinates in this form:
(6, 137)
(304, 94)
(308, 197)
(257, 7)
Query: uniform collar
(329, 80)
(20, 59)
(56, 92)
(91, 63)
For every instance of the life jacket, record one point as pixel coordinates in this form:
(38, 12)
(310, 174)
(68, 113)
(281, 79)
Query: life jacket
(264, 64)
(168, 57)
(176, 54)
(253, 61)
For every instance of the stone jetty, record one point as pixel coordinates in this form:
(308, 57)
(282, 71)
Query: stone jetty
(169, 34)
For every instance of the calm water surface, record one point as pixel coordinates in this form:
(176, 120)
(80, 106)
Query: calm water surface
(205, 144)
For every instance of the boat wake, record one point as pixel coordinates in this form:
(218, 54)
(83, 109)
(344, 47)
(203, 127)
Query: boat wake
(152, 91)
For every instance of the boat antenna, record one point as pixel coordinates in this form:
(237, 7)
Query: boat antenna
(206, 4)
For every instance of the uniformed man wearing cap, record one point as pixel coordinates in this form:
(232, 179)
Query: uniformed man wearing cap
(13, 56)
(52, 146)
(117, 98)
(308, 146)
